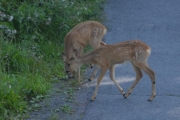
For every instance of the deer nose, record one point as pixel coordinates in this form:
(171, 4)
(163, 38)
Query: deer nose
(67, 71)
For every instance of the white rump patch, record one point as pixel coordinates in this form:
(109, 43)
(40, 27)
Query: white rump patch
(148, 51)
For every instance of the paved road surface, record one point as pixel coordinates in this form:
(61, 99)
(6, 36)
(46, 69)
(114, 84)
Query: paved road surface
(156, 22)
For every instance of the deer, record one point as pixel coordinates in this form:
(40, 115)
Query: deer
(83, 34)
(106, 57)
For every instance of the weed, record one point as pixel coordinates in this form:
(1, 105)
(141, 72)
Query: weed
(54, 116)
(31, 43)
(66, 108)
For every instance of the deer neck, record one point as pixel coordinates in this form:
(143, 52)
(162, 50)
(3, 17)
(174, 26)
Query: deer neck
(85, 59)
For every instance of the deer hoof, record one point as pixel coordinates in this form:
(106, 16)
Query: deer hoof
(151, 98)
(124, 95)
(93, 98)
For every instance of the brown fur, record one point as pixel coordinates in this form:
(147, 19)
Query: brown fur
(106, 57)
(83, 34)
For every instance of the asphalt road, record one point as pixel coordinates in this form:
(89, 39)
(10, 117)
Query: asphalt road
(157, 23)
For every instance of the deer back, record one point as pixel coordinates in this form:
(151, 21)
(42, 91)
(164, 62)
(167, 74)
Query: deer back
(82, 35)
(134, 50)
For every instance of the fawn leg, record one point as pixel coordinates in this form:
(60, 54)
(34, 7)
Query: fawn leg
(111, 69)
(138, 77)
(151, 74)
(102, 73)
(94, 73)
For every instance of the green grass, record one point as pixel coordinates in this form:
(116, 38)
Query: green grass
(66, 109)
(31, 43)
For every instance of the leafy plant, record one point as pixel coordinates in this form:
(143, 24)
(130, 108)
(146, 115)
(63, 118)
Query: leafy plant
(31, 43)
(66, 108)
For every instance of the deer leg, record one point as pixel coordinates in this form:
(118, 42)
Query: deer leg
(79, 76)
(94, 73)
(78, 52)
(76, 75)
(102, 73)
(111, 69)
(95, 43)
(151, 74)
(91, 65)
(102, 43)
(138, 77)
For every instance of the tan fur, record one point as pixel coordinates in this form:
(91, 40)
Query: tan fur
(83, 34)
(106, 57)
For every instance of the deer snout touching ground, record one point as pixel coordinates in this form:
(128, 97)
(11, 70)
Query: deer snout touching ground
(106, 57)
(69, 74)
(85, 33)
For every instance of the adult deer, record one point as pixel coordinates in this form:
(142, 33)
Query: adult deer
(106, 57)
(83, 34)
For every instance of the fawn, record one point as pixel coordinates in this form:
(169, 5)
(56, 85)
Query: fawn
(83, 34)
(106, 57)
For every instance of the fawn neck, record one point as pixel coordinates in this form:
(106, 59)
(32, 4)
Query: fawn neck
(86, 59)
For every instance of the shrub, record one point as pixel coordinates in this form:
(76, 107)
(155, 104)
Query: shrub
(31, 43)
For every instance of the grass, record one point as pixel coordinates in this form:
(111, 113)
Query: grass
(31, 43)
(66, 109)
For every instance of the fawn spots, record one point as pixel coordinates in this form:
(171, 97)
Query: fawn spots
(96, 32)
(137, 52)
